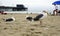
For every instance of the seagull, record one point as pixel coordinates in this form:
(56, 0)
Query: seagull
(39, 17)
(9, 19)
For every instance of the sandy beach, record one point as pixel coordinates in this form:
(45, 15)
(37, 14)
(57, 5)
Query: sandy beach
(22, 27)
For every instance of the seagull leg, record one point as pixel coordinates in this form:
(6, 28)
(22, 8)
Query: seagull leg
(40, 22)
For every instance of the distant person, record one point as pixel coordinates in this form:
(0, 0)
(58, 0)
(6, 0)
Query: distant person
(55, 11)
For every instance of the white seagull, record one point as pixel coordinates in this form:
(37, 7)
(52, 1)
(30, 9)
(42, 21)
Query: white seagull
(9, 19)
(39, 17)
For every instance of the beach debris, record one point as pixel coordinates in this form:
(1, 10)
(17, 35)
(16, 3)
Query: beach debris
(5, 28)
(35, 25)
(38, 32)
(32, 29)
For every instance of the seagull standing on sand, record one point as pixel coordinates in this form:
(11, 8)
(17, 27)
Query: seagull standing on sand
(39, 17)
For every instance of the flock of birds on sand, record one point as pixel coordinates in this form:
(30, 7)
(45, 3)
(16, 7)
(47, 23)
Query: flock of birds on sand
(39, 17)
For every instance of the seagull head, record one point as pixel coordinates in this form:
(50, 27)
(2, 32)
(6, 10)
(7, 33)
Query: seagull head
(46, 12)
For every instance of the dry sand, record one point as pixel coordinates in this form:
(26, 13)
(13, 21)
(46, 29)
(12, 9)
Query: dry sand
(22, 27)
